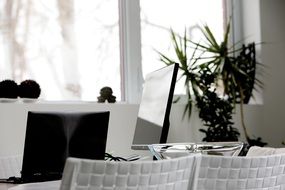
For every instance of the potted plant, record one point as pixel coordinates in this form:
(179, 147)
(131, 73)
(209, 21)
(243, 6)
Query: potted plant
(217, 77)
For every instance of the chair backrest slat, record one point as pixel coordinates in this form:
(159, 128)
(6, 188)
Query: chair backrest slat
(171, 174)
(202, 172)
(223, 173)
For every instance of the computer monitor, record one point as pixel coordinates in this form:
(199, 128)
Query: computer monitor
(153, 116)
(51, 137)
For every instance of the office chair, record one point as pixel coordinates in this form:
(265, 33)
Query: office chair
(174, 174)
(224, 172)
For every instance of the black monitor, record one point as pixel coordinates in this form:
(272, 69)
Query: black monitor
(153, 117)
(51, 137)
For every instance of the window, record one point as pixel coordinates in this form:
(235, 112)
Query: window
(73, 48)
(157, 17)
(70, 47)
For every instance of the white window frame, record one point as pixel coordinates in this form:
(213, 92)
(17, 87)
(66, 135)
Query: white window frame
(130, 50)
(233, 14)
(130, 45)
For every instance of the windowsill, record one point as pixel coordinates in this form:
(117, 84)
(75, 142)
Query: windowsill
(41, 101)
(183, 100)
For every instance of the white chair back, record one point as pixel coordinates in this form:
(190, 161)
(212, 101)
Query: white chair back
(202, 172)
(224, 173)
(174, 174)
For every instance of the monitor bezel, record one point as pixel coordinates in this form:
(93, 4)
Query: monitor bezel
(166, 121)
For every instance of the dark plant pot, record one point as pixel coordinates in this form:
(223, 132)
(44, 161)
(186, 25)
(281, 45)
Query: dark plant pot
(8, 89)
(29, 89)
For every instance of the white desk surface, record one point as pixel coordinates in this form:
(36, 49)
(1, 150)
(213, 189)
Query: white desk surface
(50, 185)
(5, 186)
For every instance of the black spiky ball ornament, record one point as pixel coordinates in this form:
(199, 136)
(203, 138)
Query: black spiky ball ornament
(29, 89)
(8, 89)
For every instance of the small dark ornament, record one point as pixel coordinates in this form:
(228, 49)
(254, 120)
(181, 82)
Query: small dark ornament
(8, 89)
(106, 93)
(29, 89)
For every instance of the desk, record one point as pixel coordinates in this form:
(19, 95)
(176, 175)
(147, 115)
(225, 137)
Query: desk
(48, 185)
(5, 186)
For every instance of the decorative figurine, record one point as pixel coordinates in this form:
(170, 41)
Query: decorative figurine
(106, 93)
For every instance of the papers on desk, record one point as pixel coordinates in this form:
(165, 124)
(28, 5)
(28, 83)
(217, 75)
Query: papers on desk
(49, 185)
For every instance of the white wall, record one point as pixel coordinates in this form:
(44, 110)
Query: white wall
(121, 125)
(272, 17)
(263, 21)
(13, 117)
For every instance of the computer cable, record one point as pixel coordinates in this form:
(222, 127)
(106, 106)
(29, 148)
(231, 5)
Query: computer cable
(130, 158)
(109, 157)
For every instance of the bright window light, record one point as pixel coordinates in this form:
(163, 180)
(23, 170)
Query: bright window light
(70, 47)
(157, 17)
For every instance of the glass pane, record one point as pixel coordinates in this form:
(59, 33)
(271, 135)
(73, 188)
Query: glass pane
(158, 16)
(70, 47)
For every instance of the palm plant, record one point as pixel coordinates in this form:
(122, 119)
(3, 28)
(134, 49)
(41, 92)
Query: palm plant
(233, 69)
(187, 64)
(235, 66)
